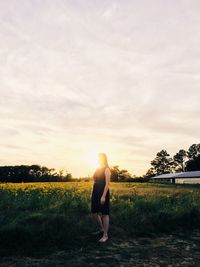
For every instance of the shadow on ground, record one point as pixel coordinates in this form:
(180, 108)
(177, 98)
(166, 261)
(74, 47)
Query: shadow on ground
(177, 249)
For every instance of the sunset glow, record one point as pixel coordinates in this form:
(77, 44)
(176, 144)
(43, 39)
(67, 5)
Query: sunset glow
(79, 77)
(92, 158)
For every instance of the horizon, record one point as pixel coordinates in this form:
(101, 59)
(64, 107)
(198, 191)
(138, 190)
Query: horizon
(82, 77)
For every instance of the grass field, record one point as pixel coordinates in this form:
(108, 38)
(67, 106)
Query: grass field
(42, 218)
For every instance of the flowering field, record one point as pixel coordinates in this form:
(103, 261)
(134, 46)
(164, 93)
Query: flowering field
(45, 217)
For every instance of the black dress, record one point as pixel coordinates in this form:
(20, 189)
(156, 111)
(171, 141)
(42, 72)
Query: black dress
(98, 188)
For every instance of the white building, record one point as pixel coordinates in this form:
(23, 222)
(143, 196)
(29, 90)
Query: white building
(180, 177)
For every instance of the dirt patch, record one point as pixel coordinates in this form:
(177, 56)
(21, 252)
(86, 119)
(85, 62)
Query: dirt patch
(178, 249)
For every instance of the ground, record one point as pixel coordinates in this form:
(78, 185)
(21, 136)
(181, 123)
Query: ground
(175, 249)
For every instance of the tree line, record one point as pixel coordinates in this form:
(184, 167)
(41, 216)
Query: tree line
(163, 163)
(182, 161)
(32, 173)
(37, 173)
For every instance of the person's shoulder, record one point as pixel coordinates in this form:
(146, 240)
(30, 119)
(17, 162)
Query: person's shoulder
(107, 170)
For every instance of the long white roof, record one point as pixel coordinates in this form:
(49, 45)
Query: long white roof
(194, 174)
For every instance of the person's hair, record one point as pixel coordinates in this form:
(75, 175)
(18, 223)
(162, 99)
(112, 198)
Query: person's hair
(104, 158)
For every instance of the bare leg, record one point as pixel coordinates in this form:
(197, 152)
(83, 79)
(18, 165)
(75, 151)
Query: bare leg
(98, 221)
(105, 219)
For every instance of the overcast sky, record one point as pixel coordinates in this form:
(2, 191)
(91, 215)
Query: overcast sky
(116, 76)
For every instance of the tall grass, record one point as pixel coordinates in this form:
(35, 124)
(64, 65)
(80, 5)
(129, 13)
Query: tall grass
(147, 214)
(43, 217)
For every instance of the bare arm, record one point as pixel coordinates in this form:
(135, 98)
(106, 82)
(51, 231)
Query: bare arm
(107, 180)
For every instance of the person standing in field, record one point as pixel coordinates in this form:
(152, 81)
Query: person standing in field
(100, 199)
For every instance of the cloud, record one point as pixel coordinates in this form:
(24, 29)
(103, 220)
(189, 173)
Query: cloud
(121, 75)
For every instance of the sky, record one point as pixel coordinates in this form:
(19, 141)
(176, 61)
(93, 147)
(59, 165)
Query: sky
(80, 77)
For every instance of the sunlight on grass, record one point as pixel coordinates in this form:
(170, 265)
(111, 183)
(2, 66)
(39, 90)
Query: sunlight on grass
(58, 214)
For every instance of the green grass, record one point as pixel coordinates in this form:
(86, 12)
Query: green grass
(48, 216)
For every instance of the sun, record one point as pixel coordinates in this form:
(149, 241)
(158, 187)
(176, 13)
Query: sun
(92, 158)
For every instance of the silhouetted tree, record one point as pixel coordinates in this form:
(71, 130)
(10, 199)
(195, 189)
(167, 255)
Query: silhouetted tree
(124, 175)
(193, 165)
(32, 173)
(65, 176)
(179, 160)
(193, 151)
(150, 173)
(119, 175)
(162, 163)
(114, 173)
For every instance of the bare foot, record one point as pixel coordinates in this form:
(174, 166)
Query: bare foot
(98, 232)
(103, 239)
